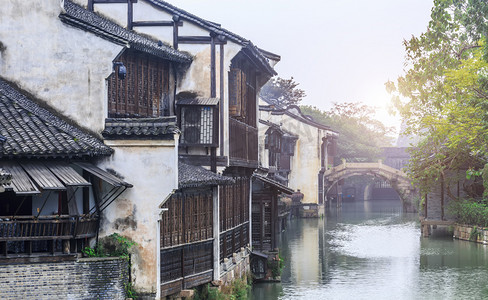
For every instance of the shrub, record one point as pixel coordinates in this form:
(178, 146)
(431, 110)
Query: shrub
(470, 212)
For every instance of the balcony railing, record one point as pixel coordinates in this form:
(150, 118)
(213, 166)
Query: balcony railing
(30, 228)
(243, 146)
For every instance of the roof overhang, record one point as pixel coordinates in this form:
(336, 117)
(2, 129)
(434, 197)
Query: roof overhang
(29, 178)
(275, 184)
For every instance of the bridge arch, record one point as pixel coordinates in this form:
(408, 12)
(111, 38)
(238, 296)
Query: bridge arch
(397, 179)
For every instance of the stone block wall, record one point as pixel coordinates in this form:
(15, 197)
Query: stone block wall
(235, 268)
(85, 278)
(471, 233)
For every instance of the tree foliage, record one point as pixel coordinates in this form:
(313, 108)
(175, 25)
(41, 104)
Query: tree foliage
(360, 136)
(282, 92)
(443, 96)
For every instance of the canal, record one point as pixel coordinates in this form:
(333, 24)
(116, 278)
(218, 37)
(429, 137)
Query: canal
(371, 250)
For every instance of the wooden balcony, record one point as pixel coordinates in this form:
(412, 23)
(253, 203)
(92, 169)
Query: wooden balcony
(243, 146)
(43, 228)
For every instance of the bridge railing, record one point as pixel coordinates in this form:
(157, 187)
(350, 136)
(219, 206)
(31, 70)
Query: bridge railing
(364, 166)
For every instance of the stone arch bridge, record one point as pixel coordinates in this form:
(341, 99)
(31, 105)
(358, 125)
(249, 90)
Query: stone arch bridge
(397, 179)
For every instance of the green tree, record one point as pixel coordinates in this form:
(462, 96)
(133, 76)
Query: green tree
(282, 92)
(443, 95)
(360, 136)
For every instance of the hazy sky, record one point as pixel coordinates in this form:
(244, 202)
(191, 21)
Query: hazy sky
(338, 50)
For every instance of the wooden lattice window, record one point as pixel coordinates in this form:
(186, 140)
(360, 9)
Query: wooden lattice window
(189, 218)
(145, 90)
(242, 91)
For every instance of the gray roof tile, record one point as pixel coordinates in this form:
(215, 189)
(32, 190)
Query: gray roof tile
(77, 16)
(195, 176)
(142, 128)
(32, 131)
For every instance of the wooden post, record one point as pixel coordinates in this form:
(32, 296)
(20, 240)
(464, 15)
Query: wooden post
(129, 14)
(442, 197)
(216, 232)
(425, 206)
(221, 102)
(213, 80)
(176, 20)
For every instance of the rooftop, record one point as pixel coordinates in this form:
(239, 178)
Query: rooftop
(79, 17)
(29, 130)
(140, 128)
(195, 176)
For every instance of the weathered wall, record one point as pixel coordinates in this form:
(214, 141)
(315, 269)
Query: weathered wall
(152, 168)
(59, 64)
(86, 278)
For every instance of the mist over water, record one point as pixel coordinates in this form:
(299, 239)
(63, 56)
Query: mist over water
(371, 250)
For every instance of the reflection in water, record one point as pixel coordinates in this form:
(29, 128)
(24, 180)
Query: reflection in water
(370, 250)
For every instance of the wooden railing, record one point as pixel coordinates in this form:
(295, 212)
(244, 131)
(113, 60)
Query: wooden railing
(30, 228)
(243, 146)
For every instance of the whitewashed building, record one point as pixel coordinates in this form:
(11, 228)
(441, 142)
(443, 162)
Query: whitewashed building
(296, 150)
(157, 85)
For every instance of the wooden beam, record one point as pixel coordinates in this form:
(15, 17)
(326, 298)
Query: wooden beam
(198, 40)
(155, 23)
(111, 1)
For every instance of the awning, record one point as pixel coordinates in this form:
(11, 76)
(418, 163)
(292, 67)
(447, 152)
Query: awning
(44, 178)
(104, 175)
(277, 185)
(31, 177)
(68, 175)
(118, 185)
(198, 101)
(21, 184)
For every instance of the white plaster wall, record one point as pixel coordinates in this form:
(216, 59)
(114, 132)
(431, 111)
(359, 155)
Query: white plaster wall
(263, 153)
(116, 12)
(305, 164)
(59, 64)
(152, 168)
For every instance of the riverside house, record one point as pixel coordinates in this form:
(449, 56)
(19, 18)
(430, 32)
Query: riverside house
(297, 151)
(146, 125)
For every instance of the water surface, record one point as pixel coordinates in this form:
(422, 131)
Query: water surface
(371, 250)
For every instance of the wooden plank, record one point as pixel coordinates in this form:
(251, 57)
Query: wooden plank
(67, 175)
(170, 288)
(198, 40)
(44, 178)
(198, 279)
(21, 183)
(437, 222)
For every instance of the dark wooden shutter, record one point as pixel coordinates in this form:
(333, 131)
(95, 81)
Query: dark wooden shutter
(235, 93)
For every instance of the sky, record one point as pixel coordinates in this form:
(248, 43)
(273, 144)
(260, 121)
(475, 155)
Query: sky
(337, 50)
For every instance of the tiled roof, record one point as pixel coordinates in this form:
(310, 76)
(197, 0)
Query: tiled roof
(29, 130)
(142, 128)
(194, 176)
(217, 29)
(198, 101)
(5, 177)
(77, 16)
(280, 187)
(294, 112)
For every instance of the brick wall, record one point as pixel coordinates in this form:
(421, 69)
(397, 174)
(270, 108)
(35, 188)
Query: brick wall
(85, 278)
